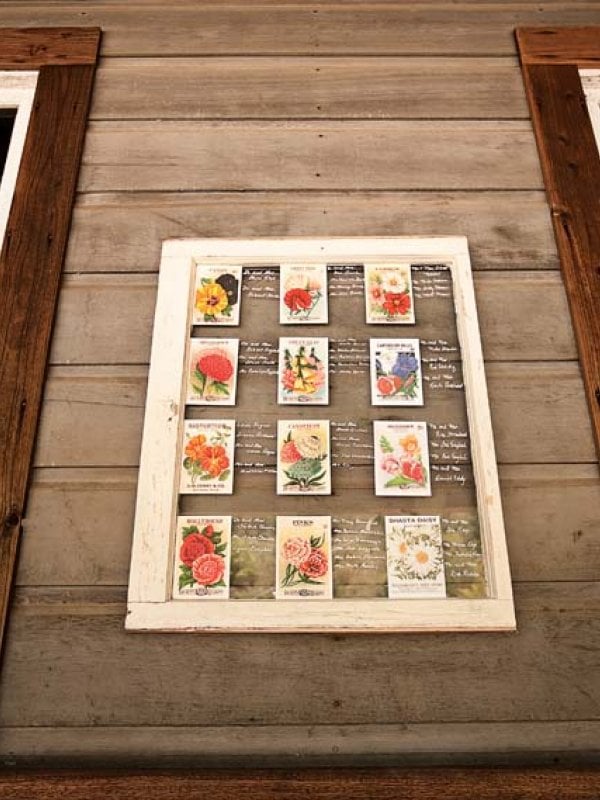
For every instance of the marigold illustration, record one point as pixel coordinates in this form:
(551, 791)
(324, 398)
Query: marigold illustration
(195, 545)
(214, 460)
(208, 569)
(211, 299)
(194, 449)
(296, 550)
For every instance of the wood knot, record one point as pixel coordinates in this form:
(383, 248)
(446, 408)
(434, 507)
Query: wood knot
(11, 520)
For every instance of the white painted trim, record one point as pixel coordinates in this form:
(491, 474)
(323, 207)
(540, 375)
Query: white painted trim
(150, 606)
(590, 81)
(17, 90)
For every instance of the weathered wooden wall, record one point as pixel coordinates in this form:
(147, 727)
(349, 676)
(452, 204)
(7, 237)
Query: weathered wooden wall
(211, 119)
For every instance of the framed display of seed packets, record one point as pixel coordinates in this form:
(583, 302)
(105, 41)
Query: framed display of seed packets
(340, 477)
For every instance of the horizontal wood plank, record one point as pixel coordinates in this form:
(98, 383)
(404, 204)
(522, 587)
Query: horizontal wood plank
(199, 155)
(107, 319)
(79, 524)
(92, 416)
(32, 48)
(123, 232)
(411, 29)
(299, 87)
(69, 661)
(563, 45)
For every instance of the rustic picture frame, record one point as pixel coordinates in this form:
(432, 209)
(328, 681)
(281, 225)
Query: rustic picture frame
(150, 606)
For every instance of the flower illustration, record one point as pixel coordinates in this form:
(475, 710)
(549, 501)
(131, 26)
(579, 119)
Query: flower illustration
(211, 299)
(208, 569)
(404, 365)
(296, 550)
(194, 449)
(410, 444)
(304, 373)
(214, 460)
(195, 545)
(397, 373)
(290, 453)
(297, 299)
(390, 465)
(396, 304)
(212, 373)
(305, 454)
(230, 284)
(423, 560)
(207, 459)
(316, 565)
(306, 561)
(413, 470)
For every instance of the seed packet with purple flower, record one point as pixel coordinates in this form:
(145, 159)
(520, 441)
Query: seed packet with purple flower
(202, 558)
(304, 569)
(396, 374)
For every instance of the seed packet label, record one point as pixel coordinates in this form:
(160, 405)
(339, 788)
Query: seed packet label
(303, 377)
(389, 294)
(212, 372)
(415, 559)
(401, 459)
(303, 294)
(207, 457)
(304, 569)
(303, 457)
(202, 558)
(217, 294)
(396, 374)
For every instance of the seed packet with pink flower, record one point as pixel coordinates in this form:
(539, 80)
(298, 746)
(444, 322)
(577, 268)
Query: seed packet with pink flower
(303, 294)
(217, 294)
(401, 459)
(212, 372)
(396, 378)
(304, 570)
(303, 371)
(389, 294)
(303, 457)
(202, 558)
(207, 457)
(415, 559)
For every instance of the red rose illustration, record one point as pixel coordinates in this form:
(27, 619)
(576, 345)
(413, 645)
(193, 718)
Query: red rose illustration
(216, 364)
(193, 546)
(208, 530)
(208, 569)
(315, 565)
(396, 303)
(297, 299)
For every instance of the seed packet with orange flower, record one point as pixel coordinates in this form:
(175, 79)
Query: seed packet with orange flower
(415, 558)
(304, 569)
(212, 372)
(202, 558)
(303, 457)
(217, 294)
(389, 294)
(303, 294)
(207, 457)
(303, 376)
(396, 375)
(401, 459)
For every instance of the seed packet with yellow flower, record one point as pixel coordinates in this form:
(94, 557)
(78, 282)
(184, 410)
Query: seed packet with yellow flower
(401, 459)
(303, 567)
(303, 371)
(217, 294)
(207, 457)
(303, 457)
(212, 372)
(415, 560)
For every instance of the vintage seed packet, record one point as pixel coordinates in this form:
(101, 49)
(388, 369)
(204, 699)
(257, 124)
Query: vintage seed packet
(396, 375)
(303, 294)
(207, 456)
(212, 372)
(303, 457)
(202, 558)
(389, 294)
(217, 294)
(303, 377)
(401, 459)
(415, 558)
(304, 563)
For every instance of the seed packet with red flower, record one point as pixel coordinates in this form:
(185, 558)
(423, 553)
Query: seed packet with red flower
(202, 558)
(415, 558)
(389, 294)
(217, 294)
(303, 294)
(401, 459)
(396, 374)
(303, 566)
(212, 372)
(303, 457)
(207, 457)
(303, 376)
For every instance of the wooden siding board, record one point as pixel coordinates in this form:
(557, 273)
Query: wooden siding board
(32, 48)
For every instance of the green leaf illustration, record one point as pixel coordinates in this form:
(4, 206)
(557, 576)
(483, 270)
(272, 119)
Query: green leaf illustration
(385, 445)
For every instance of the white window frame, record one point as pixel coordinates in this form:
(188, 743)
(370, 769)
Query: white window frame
(17, 90)
(150, 605)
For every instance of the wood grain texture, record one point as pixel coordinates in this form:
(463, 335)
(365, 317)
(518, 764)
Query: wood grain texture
(571, 167)
(32, 48)
(123, 232)
(330, 784)
(198, 155)
(30, 266)
(564, 45)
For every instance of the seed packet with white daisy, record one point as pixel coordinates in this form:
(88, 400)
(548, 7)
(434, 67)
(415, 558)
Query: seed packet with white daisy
(212, 372)
(415, 560)
(389, 294)
(396, 377)
(217, 294)
(303, 371)
(303, 457)
(303, 294)
(207, 457)
(202, 558)
(304, 569)
(401, 459)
